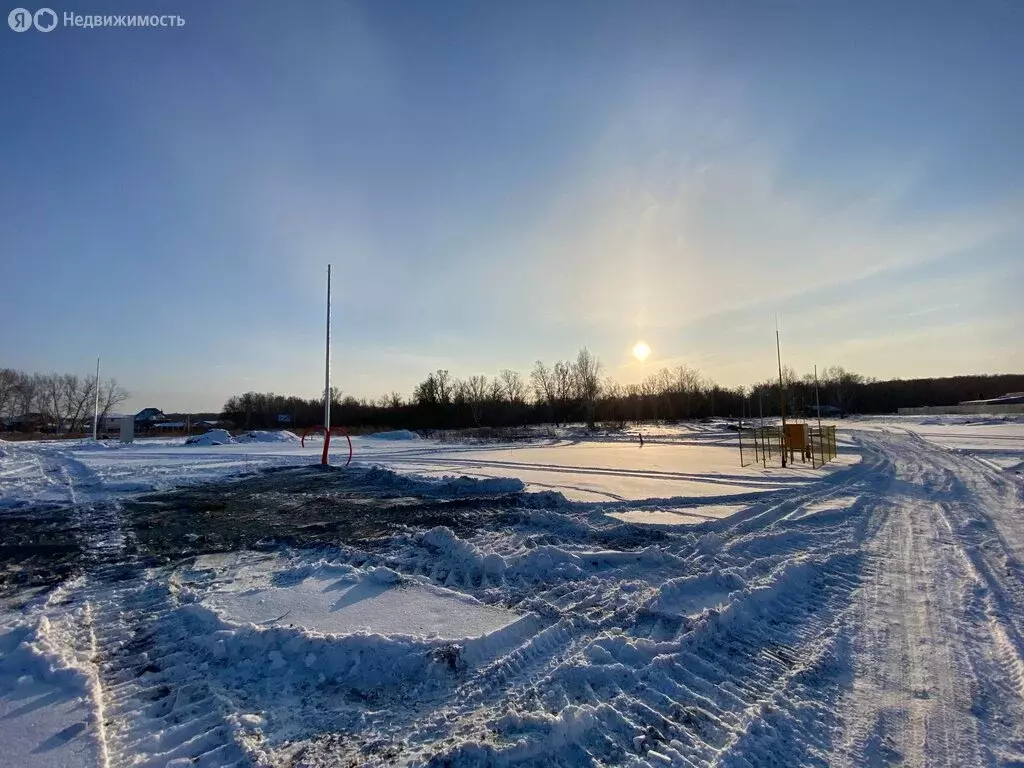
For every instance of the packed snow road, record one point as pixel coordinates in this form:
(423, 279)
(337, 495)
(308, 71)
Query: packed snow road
(872, 618)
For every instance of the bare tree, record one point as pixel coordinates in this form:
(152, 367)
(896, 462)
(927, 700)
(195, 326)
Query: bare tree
(564, 387)
(586, 372)
(393, 400)
(27, 394)
(513, 389)
(841, 384)
(686, 382)
(650, 388)
(9, 379)
(426, 391)
(53, 398)
(444, 386)
(476, 392)
(543, 386)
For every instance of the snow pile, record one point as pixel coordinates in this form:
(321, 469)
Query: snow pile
(262, 436)
(40, 655)
(223, 437)
(449, 485)
(369, 630)
(213, 437)
(446, 486)
(454, 561)
(398, 434)
(691, 594)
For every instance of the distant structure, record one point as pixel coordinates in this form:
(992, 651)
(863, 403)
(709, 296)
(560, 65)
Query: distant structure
(1014, 398)
(1008, 403)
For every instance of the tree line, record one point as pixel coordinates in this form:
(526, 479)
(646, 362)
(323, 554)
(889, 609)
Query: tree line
(574, 390)
(61, 402)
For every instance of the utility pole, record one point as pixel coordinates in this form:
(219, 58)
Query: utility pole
(96, 404)
(327, 358)
(327, 374)
(782, 394)
(817, 402)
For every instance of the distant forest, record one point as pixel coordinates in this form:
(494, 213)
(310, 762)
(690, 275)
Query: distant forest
(575, 391)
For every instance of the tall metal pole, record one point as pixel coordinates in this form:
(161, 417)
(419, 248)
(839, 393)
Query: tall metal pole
(817, 402)
(327, 374)
(96, 404)
(817, 407)
(782, 395)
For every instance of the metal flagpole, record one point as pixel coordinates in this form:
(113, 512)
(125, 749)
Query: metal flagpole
(782, 394)
(817, 407)
(96, 404)
(327, 374)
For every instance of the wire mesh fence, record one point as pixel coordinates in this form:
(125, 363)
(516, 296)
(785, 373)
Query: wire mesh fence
(761, 445)
(767, 445)
(822, 445)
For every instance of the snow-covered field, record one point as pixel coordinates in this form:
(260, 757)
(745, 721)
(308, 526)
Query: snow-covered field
(565, 602)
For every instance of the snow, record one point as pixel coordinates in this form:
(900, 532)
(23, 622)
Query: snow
(213, 437)
(47, 713)
(349, 600)
(586, 601)
(397, 434)
(223, 437)
(261, 436)
(679, 464)
(677, 516)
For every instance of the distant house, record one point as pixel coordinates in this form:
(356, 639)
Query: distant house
(150, 415)
(147, 419)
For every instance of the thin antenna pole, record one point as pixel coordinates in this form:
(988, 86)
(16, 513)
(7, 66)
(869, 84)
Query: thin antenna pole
(782, 395)
(327, 374)
(96, 404)
(817, 402)
(817, 407)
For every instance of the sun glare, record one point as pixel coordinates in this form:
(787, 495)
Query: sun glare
(641, 350)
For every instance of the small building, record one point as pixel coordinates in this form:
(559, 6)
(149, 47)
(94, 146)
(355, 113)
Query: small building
(1011, 398)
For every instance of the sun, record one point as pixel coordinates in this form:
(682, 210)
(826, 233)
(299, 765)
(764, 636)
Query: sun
(641, 350)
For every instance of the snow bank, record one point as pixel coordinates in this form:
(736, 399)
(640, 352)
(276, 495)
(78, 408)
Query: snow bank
(365, 662)
(223, 437)
(446, 486)
(398, 434)
(39, 655)
(374, 600)
(213, 437)
(262, 436)
(463, 560)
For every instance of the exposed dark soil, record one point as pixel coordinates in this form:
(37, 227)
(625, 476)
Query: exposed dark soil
(38, 548)
(296, 507)
(300, 507)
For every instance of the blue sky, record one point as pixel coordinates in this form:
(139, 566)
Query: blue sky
(498, 182)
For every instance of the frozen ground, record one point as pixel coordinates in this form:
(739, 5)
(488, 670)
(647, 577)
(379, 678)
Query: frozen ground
(867, 615)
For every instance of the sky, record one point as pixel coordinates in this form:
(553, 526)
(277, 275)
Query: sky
(501, 182)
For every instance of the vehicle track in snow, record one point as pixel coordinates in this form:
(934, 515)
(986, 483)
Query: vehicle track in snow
(151, 705)
(936, 641)
(885, 629)
(875, 618)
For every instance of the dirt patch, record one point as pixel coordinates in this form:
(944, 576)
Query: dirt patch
(296, 507)
(308, 506)
(40, 548)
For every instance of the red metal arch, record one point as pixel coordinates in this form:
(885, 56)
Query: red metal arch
(327, 442)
